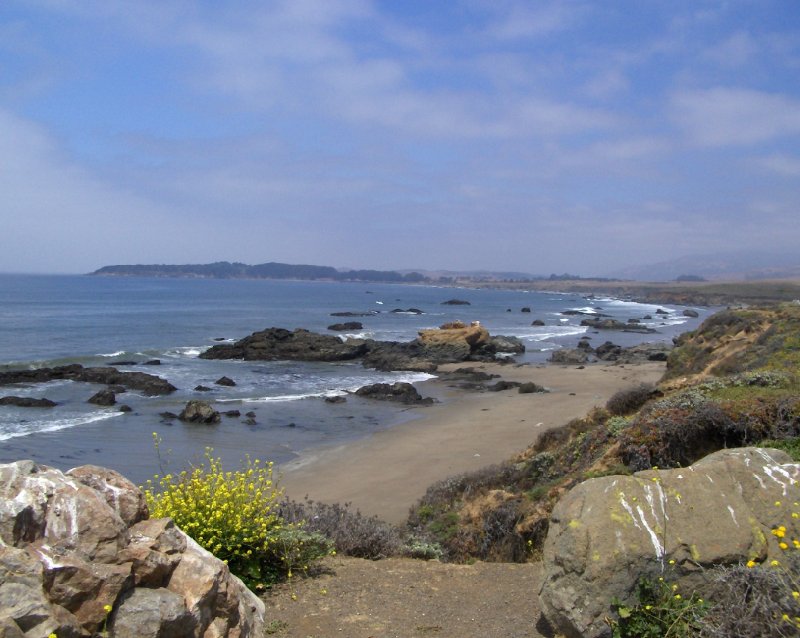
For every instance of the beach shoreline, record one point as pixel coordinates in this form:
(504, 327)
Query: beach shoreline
(385, 473)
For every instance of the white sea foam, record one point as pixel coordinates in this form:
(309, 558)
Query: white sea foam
(185, 351)
(14, 430)
(118, 353)
(544, 333)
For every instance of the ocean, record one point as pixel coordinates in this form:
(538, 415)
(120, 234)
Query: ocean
(101, 321)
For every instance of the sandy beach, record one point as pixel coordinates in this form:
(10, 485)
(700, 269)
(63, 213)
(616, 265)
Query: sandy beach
(387, 472)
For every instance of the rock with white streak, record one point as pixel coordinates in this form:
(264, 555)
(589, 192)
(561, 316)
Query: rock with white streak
(74, 545)
(608, 532)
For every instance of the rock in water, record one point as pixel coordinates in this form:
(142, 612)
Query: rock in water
(27, 402)
(608, 532)
(276, 344)
(400, 391)
(199, 412)
(104, 397)
(74, 543)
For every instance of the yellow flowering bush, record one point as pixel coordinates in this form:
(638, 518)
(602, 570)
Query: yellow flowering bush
(234, 516)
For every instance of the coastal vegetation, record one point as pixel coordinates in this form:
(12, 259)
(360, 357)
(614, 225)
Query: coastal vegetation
(235, 516)
(732, 382)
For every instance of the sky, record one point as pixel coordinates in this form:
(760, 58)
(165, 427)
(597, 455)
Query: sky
(580, 136)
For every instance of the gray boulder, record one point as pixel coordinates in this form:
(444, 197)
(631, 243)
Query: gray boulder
(608, 532)
(73, 545)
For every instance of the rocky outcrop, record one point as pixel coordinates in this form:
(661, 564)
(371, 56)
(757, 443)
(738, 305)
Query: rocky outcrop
(27, 402)
(451, 343)
(608, 532)
(275, 344)
(570, 356)
(226, 381)
(689, 312)
(199, 412)
(400, 392)
(104, 398)
(347, 325)
(613, 324)
(145, 383)
(456, 302)
(75, 545)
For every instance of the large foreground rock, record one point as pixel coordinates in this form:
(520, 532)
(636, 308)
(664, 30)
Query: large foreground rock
(72, 544)
(607, 532)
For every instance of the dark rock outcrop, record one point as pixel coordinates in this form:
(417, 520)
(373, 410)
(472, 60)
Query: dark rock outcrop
(409, 311)
(537, 322)
(347, 325)
(569, 356)
(72, 544)
(27, 402)
(103, 397)
(456, 302)
(226, 381)
(199, 412)
(275, 344)
(530, 387)
(613, 324)
(691, 313)
(400, 392)
(145, 383)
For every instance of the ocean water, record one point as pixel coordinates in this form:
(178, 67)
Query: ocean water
(98, 321)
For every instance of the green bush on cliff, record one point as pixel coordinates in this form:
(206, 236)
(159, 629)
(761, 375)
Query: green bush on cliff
(234, 515)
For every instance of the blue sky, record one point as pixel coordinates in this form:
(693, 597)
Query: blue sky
(579, 136)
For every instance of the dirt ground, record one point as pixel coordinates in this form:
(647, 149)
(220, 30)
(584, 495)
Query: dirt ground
(405, 598)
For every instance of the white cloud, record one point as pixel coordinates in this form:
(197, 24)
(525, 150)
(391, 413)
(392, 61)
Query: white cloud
(781, 163)
(736, 50)
(524, 20)
(723, 116)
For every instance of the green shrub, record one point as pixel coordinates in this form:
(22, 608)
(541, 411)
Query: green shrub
(352, 533)
(757, 601)
(630, 400)
(661, 612)
(791, 446)
(234, 515)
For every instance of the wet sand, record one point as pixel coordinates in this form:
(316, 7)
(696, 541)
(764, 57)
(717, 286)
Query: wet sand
(384, 474)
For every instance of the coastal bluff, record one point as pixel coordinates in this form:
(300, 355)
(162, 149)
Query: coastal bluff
(79, 556)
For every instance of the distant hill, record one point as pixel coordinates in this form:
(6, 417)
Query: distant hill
(738, 266)
(271, 270)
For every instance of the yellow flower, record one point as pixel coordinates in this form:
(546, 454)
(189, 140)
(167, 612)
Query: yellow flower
(777, 503)
(796, 594)
(751, 563)
(674, 588)
(774, 563)
(783, 546)
(671, 561)
(107, 608)
(294, 596)
(677, 596)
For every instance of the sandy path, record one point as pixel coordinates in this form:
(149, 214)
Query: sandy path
(405, 598)
(387, 472)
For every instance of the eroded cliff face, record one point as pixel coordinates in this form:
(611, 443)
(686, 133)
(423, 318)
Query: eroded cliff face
(78, 554)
